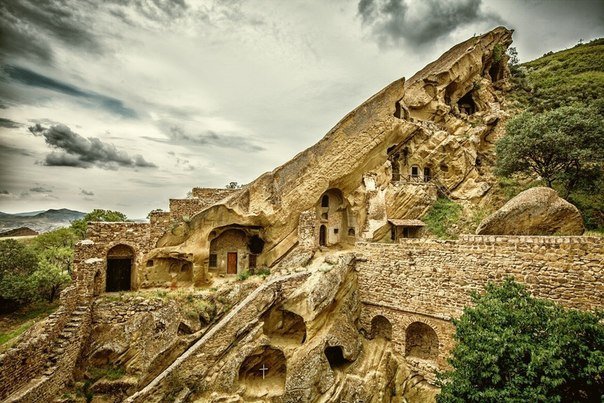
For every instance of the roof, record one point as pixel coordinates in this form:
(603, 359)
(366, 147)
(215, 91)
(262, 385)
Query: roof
(407, 223)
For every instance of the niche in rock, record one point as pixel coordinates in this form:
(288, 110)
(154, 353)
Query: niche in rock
(284, 327)
(335, 357)
(466, 104)
(263, 373)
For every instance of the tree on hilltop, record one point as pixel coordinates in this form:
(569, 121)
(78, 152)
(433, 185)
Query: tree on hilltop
(79, 226)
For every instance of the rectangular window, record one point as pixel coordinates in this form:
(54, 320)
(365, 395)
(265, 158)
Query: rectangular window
(336, 230)
(213, 260)
(252, 261)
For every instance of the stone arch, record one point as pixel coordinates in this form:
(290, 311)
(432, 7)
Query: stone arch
(120, 268)
(381, 327)
(263, 373)
(284, 327)
(421, 341)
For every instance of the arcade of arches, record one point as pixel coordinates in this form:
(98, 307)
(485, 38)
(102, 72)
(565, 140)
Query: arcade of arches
(421, 341)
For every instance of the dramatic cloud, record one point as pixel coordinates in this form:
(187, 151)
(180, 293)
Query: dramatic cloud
(77, 151)
(29, 26)
(4, 192)
(40, 189)
(86, 192)
(419, 22)
(179, 135)
(9, 124)
(30, 78)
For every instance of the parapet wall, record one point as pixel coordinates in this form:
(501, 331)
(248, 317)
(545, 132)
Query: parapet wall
(435, 278)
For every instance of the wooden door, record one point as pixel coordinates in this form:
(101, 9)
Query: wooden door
(232, 263)
(118, 274)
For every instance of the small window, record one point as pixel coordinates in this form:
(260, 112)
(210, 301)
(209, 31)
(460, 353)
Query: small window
(325, 201)
(213, 260)
(427, 174)
(336, 230)
(253, 261)
(351, 232)
(149, 263)
(414, 172)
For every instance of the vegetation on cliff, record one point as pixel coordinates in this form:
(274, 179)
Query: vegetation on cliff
(558, 133)
(513, 347)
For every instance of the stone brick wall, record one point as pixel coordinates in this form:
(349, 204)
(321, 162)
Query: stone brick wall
(180, 208)
(430, 280)
(212, 195)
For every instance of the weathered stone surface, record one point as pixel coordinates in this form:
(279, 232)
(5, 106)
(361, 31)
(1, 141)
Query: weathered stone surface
(536, 211)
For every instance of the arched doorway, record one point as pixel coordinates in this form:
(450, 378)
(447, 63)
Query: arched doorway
(119, 268)
(322, 236)
(421, 341)
(381, 327)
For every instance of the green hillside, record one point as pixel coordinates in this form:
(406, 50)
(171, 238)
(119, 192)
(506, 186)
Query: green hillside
(569, 80)
(561, 78)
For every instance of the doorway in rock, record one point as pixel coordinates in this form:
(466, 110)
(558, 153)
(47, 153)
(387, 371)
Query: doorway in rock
(232, 263)
(119, 271)
(119, 268)
(323, 236)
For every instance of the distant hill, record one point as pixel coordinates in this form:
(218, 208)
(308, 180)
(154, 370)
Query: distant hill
(40, 221)
(21, 231)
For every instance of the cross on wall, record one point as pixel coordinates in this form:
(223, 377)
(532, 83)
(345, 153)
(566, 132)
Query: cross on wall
(263, 369)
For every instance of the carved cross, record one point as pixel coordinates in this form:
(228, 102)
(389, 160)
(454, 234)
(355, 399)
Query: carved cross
(264, 368)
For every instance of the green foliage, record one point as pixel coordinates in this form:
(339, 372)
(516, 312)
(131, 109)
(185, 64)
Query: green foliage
(565, 148)
(512, 347)
(498, 52)
(562, 78)
(79, 226)
(557, 145)
(48, 280)
(110, 372)
(442, 217)
(16, 258)
(244, 275)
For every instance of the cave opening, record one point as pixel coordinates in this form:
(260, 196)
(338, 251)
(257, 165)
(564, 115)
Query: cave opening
(284, 327)
(263, 373)
(466, 104)
(335, 357)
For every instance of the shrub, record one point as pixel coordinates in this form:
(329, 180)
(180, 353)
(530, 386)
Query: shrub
(442, 217)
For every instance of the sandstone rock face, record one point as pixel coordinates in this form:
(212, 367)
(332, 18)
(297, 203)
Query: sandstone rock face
(536, 211)
(295, 339)
(435, 130)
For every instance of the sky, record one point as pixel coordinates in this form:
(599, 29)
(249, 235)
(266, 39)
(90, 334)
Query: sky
(123, 104)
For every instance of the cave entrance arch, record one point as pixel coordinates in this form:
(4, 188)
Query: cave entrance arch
(381, 327)
(421, 341)
(263, 373)
(323, 236)
(120, 259)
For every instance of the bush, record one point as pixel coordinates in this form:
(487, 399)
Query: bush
(442, 217)
(243, 275)
(513, 347)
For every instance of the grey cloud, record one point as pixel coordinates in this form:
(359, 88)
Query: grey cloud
(9, 124)
(40, 189)
(418, 23)
(30, 26)
(33, 79)
(86, 192)
(4, 192)
(74, 150)
(178, 135)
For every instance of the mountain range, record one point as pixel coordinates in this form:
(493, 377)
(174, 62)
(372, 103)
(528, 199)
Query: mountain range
(40, 221)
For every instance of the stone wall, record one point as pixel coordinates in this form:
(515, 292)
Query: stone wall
(186, 208)
(430, 281)
(212, 196)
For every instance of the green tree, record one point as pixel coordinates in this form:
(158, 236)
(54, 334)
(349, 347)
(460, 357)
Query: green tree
(564, 146)
(48, 280)
(17, 263)
(59, 238)
(512, 347)
(80, 226)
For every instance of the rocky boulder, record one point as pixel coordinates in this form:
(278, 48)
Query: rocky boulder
(536, 211)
